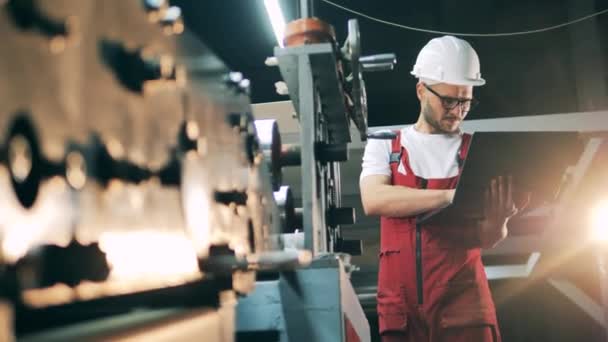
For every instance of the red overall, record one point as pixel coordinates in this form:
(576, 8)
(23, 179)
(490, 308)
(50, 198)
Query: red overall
(431, 283)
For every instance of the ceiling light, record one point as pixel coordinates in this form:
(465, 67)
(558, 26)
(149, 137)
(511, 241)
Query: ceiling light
(276, 19)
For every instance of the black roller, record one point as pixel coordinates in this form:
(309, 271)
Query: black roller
(340, 216)
(327, 153)
(291, 155)
(299, 216)
(352, 247)
(270, 143)
(285, 202)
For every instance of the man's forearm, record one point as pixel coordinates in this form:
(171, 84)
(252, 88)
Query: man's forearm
(400, 201)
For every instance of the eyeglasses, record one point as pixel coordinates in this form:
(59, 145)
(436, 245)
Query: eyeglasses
(449, 103)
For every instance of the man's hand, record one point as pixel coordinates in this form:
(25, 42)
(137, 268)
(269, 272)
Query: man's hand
(499, 207)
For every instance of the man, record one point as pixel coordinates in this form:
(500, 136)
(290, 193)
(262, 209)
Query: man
(431, 283)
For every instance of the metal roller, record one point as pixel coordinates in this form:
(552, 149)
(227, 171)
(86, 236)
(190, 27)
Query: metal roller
(285, 203)
(270, 142)
(291, 155)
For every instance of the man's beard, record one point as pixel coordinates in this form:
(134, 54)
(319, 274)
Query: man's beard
(427, 114)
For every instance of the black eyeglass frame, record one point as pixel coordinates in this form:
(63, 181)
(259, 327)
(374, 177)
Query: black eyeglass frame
(450, 103)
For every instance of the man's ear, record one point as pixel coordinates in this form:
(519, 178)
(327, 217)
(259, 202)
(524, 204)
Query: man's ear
(420, 91)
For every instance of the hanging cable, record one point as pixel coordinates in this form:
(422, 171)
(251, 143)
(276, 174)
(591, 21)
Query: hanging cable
(505, 34)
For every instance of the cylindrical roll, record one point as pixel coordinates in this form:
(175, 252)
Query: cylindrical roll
(270, 143)
(285, 203)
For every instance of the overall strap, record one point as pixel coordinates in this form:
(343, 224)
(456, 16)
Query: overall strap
(396, 149)
(461, 156)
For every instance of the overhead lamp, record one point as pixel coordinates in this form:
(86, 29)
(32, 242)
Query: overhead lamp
(276, 19)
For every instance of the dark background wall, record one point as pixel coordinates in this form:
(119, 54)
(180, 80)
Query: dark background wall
(563, 70)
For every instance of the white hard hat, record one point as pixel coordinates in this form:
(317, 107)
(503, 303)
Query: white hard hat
(448, 60)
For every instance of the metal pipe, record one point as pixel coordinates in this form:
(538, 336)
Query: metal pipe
(306, 9)
(280, 260)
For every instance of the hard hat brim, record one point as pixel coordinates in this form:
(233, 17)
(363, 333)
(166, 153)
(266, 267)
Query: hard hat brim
(475, 82)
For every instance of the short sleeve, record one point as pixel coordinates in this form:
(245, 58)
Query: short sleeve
(376, 158)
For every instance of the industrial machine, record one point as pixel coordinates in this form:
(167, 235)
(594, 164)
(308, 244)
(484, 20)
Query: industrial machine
(325, 84)
(132, 173)
(134, 176)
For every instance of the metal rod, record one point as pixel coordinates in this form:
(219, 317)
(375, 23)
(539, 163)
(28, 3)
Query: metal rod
(311, 223)
(306, 8)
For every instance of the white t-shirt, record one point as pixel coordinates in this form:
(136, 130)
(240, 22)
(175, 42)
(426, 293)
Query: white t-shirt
(431, 156)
